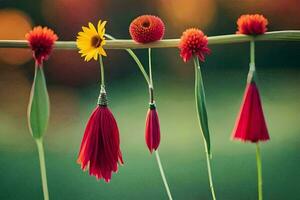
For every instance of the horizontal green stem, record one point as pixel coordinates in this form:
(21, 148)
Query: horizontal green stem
(288, 35)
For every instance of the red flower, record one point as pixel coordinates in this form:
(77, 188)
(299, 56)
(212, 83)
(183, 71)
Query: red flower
(251, 125)
(252, 24)
(152, 131)
(147, 28)
(193, 42)
(100, 146)
(41, 42)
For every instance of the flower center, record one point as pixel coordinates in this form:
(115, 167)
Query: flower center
(146, 24)
(96, 41)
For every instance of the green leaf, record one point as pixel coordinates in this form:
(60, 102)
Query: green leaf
(201, 105)
(38, 108)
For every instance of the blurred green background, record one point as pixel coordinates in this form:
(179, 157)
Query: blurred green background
(73, 87)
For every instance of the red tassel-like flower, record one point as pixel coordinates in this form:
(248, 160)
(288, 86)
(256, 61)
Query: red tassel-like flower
(100, 146)
(41, 41)
(147, 28)
(193, 42)
(152, 131)
(251, 125)
(252, 24)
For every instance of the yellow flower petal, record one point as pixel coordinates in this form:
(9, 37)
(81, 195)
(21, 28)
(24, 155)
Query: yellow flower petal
(101, 51)
(92, 28)
(101, 27)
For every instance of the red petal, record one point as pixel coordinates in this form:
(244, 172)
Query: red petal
(251, 125)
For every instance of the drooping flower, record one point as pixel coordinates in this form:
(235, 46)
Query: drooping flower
(252, 24)
(100, 146)
(41, 41)
(147, 28)
(90, 41)
(193, 42)
(152, 131)
(250, 125)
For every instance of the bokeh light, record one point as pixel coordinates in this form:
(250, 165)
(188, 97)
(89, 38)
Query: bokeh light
(189, 13)
(14, 25)
(71, 14)
(282, 14)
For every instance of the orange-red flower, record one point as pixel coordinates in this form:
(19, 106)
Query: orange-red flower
(41, 42)
(251, 125)
(147, 28)
(152, 131)
(193, 42)
(252, 24)
(100, 146)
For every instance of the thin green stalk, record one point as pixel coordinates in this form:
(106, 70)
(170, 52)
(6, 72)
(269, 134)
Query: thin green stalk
(208, 157)
(101, 70)
(259, 173)
(40, 147)
(135, 58)
(252, 52)
(258, 157)
(209, 173)
(163, 175)
(150, 68)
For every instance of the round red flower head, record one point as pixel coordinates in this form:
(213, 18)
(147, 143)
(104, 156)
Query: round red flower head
(41, 41)
(100, 146)
(193, 42)
(147, 28)
(152, 130)
(252, 24)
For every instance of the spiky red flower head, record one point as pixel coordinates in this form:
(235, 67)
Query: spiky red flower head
(250, 124)
(252, 24)
(152, 131)
(100, 146)
(193, 42)
(147, 28)
(41, 42)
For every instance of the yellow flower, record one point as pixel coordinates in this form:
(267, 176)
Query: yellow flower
(90, 41)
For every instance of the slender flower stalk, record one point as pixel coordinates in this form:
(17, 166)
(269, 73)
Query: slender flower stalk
(258, 156)
(251, 125)
(198, 88)
(151, 88)
(193, 44)
(40, 147)
(149, 81)
(41, 41)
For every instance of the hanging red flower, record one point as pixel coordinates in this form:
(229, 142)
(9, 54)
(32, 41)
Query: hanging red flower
(147, 28)
(193, 42)
(100, 146)
(152, 131)
(250, 124)
(41, 41)
(252, 24)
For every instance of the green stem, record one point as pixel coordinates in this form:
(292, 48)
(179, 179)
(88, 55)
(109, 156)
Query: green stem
(101, 70)
(251, 74)
(151, 89)
(208, 157)
(285, 35)
(259, 173)
(252, 52)
(150, 67)
(40, 147)
(135, 58)
(211, 185)
(163, 175)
